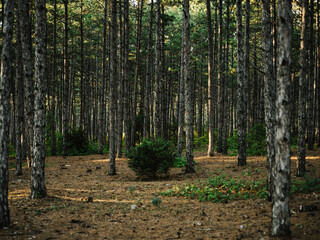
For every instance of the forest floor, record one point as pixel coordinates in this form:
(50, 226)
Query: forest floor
(83, 202)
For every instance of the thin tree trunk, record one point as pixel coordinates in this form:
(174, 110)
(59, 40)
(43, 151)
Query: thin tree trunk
(211, 83)
(220, 82)
(113, 90)
(225, 87)
(301, 167)
(121, 85)
(53, 102)
(158, 75)
(280, 220)
(188, 89)
(103, 85)
(38, 188)
(137, 74)
(269, 93)
(126, 76)
(247, 63)
(146, 119)
(27, 69)
(19, 100)
(241, 81)
(5, 78)
(310, 83)
(181, 99)
(66, 81)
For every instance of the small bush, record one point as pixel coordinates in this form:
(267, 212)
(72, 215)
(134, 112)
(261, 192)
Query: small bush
(151, 158)
(181, 162)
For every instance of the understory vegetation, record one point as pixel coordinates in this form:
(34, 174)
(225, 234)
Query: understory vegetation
(223, 189)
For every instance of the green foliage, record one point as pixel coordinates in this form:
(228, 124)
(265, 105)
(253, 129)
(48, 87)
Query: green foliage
(156, 201)
(220, 189)
(201, 142)
(77, 144)
(181, 162)
(256, 142)
(12, 151)
(305, 185)
(151, 158)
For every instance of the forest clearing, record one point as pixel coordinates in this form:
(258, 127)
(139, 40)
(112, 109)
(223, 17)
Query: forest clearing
(68, 213)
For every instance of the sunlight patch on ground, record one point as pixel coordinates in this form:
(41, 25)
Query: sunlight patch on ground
(105, 160)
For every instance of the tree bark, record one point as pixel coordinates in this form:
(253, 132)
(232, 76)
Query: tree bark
(211, 81)
(310, 83)
(19, 101)
(66, 80)
(188, 89)
(126, 76)
(38, 188)
(137, 74)
(103, 85)
(181, 99)
(301, 167)
(280, 220)
(246, 57)
(5, 78)
(121, 85)
(53, 102)
(27, 69)
(269, 93)
(113, 90)
(158, 74)
(242, 99)
(220, 82)
(146, 119)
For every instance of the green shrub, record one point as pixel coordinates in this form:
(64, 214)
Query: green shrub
(181, 162)
(151, 158)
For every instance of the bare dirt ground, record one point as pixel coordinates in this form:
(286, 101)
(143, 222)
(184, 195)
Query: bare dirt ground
(85, 203)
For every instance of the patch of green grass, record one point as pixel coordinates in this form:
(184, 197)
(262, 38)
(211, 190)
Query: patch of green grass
(221, 189)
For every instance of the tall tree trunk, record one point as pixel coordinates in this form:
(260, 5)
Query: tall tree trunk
(38, 188)
(188, 89)
(310, 83)
(113, 90)
(27, 69)
(181, 99)
(146, 119)
(269, 94)
(66, 80)
(103, 84)
(19, 101)
(220, 82)
(121, 86)
(225, 86)
(5, 78)
(137, 74)
(126, 76)
(280, 220)
(318, 71)
(247, 63)
(242, 84)
(54, 82)
(301, 167)
(158, 75)
(82, 89)
(211, 81)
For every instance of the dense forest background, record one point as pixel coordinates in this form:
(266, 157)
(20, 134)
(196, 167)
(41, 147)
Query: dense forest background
(78, 71)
